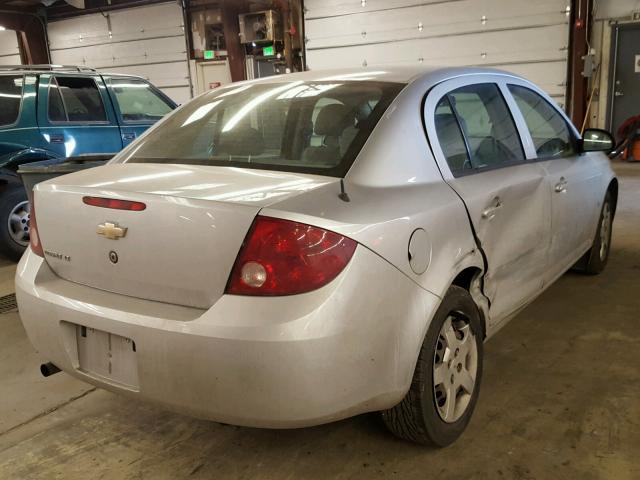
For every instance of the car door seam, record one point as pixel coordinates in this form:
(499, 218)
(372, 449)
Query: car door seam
(473, 231)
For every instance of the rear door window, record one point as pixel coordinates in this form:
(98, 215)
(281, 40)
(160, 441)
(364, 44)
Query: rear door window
(139, 101)
(489, 129)
(75, 99)
(10, 98)
(450, 138)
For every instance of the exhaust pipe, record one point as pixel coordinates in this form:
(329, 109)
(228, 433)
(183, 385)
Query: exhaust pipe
(48, 369)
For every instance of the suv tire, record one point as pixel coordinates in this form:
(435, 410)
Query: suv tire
(14, 222)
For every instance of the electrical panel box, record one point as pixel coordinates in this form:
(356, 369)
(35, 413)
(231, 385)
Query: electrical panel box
(256, 27)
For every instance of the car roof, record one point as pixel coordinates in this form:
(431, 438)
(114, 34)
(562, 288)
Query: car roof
(388, 73)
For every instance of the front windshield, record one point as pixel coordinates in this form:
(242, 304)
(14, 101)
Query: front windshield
(312, 127)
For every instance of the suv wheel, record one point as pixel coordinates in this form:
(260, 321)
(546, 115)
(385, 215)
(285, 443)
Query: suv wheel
(14, 222)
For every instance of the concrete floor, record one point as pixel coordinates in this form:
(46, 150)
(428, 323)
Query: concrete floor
(560, 400)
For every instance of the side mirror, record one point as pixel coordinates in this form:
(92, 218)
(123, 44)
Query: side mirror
(596, 140)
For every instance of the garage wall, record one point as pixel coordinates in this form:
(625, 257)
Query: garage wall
(147, 41)
(526, 37)
(606, 13)
(607, 9)
(9, 52)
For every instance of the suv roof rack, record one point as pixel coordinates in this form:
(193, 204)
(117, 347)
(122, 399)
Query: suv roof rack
(48, 68)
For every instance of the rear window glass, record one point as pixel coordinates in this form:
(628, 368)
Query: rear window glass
(313, 127)
(10, 98)
(75, 99)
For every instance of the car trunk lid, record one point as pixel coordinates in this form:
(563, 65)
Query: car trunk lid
(180, 249)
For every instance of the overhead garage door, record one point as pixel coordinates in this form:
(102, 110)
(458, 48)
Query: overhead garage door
(147, 41)
(9, 52)
(523, 36)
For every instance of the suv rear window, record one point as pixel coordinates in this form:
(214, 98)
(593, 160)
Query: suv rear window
(312, 127)
(10, 98)
(75, 99)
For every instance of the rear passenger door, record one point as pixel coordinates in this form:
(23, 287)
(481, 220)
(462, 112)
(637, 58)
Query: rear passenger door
(479, 150)
(75, 116)
(138, 105)
(573, 184)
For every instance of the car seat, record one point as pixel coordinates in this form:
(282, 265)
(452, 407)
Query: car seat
(331, 122)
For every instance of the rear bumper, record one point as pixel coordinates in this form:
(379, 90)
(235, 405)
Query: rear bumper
(347, 348)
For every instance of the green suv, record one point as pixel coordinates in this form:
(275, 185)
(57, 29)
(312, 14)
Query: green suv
(56, 112)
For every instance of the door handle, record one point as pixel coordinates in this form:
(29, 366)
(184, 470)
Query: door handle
(618, 93)
(561, 186)
(490, 212)
(129, 136)
(56, 138)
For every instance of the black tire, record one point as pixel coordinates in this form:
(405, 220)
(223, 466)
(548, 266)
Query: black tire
(594, 261)
(11, 198)
(416, 418)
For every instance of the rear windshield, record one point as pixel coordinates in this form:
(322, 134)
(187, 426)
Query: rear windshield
(10, 98)
(311, 127)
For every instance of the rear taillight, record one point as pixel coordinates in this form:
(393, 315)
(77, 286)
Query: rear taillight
(114, 203)
(34, 237)
(281, 257)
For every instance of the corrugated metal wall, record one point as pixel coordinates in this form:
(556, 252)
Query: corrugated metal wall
(527, 37)
(147, 41)
(9, 52)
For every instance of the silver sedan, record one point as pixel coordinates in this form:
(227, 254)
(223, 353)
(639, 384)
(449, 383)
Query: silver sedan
(304, 248)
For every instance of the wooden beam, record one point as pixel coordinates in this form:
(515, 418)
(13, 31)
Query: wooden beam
(23, 45)
(32, 35)
(235, 50)
(581, 11)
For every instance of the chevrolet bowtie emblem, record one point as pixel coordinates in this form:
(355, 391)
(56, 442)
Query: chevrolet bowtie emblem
(111, 230)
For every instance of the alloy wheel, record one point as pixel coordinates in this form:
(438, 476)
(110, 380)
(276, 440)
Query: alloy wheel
(455, 367)
(18, 223)
(605, 231)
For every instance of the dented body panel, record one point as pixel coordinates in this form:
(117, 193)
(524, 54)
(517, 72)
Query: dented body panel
(346, 348)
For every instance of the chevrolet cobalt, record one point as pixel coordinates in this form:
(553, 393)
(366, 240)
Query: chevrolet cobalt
(300, 249)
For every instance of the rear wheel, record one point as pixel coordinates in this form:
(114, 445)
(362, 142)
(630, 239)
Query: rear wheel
(446, 381)
(14, 222)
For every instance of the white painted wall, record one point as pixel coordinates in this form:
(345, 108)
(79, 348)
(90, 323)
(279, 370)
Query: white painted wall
(9, 52)
(147, 41)
(523, 36)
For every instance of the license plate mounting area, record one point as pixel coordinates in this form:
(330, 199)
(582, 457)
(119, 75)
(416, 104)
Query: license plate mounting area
(107, 356)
